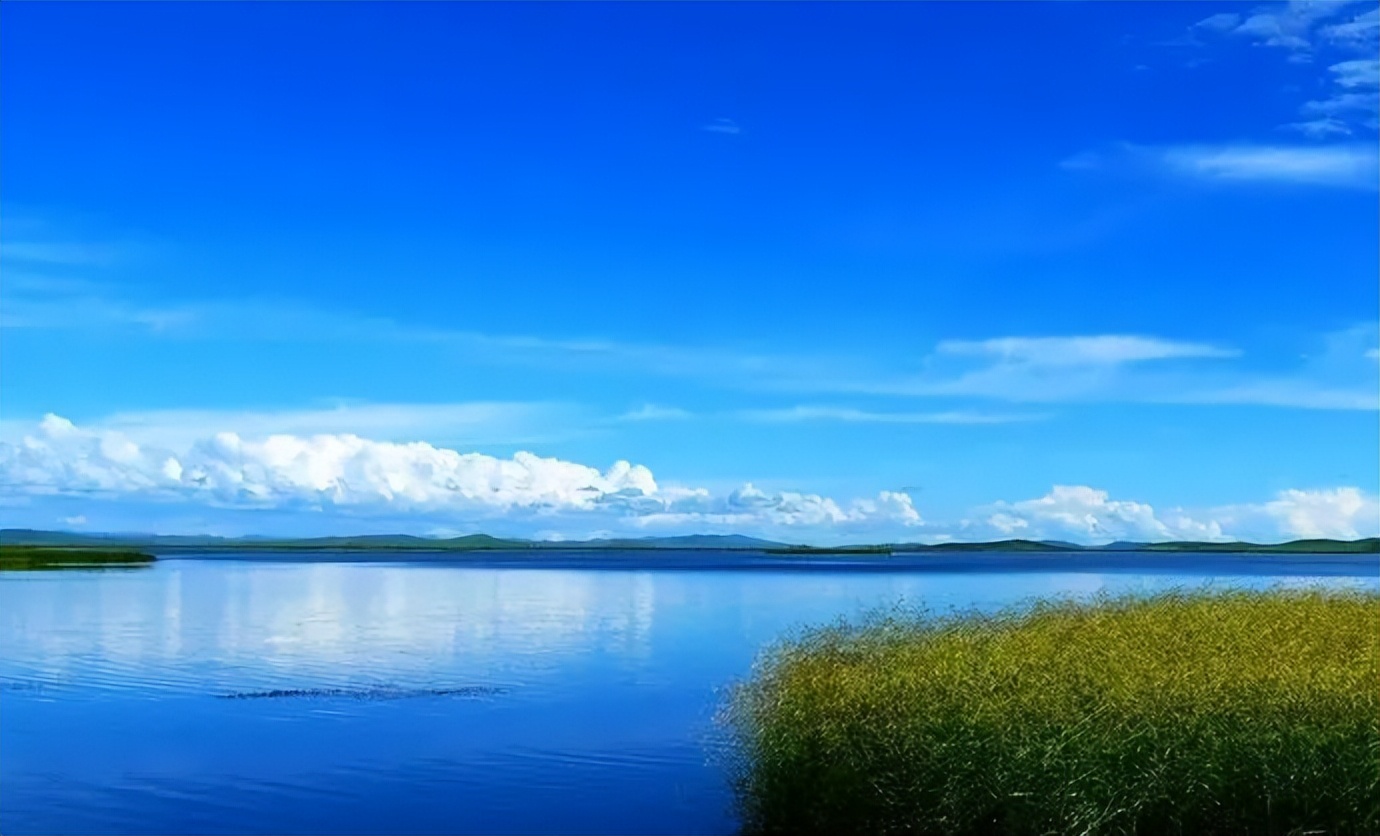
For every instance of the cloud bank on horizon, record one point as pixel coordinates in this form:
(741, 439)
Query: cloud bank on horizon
(357, 482)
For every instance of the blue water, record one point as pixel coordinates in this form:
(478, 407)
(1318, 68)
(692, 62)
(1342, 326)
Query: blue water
(578, 694)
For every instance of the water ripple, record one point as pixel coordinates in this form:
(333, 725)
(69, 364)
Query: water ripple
(387, 693)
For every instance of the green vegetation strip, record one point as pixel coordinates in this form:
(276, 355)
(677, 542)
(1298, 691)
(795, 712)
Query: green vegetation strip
(44, 557)
(1236, 712)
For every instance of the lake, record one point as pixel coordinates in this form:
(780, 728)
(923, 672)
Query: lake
(561, 693)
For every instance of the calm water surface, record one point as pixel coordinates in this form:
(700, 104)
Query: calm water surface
(574, 696)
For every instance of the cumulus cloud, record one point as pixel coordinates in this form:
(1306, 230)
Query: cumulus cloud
(345, 471)
(64, 471)
(1343, 513)
(1086, 514)
(335, 469)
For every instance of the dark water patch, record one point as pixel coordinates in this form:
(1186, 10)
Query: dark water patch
(386, 693)
(21, 685)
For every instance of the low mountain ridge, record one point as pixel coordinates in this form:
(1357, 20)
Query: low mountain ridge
(688, 542)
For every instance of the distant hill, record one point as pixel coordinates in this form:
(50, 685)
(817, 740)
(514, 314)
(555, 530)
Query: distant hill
(717, 542)
(371, 542)
(688, 541)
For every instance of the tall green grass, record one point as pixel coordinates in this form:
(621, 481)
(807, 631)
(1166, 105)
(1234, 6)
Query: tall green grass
(1236, 712)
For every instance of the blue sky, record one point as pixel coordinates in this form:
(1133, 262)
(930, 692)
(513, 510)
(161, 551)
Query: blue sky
(909, 271)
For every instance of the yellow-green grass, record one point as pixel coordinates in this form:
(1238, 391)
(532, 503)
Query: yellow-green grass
(1231, 712)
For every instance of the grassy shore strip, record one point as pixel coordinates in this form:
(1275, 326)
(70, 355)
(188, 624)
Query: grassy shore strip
(44, 557)
(1224, 713)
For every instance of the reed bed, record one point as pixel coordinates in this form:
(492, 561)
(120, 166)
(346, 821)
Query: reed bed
(1183, 713)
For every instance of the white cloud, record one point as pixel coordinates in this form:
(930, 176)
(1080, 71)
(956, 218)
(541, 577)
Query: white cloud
(1327, 126)
(1287, 25)
(1073, 351)
(280, 469)
(1346, 166)
(1349, 165)
(345, 471)
(57, 253)
(751, 508)
(1343, 104)
(84, 473)
(1129, 369)
(1282, 393)
(50, 304)
(1299, 27)
(652, 412)
(1324, 29)
(1342, 513)
(476, 422)
(1019, 369)
(1361, 32)
(801, 414)
(722, 125)
(1362, 72)
(1221, 22)
(1089, 515)
(1084, 514)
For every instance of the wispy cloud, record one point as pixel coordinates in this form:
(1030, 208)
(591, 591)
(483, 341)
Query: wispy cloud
(1350, 165)
(1363, 72)
(1309, 32)
(1136, 370)
(56, 253)
(1323, 128)
(478, 423)
(1285, 393)
(722, 125)
(1068, 351)
(1298, 28)
(1347, 166)
(1040, 369)
(652, 412)
(802, 414)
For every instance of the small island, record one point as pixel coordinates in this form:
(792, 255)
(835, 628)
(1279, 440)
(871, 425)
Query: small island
(25, 557)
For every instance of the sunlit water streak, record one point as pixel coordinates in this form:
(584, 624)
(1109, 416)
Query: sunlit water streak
(443, 697)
